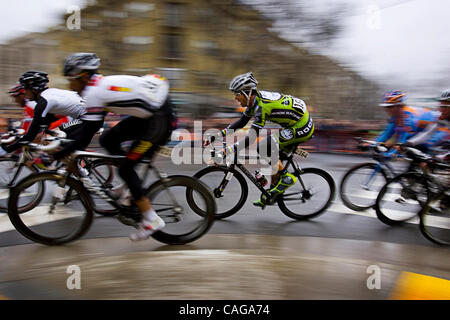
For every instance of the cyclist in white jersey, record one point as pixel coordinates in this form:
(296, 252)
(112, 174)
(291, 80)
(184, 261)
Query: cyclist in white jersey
(149, 122)
(50, 102)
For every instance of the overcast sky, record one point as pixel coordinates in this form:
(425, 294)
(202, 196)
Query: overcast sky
(396, 42)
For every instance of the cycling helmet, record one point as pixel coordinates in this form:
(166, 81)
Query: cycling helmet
(445, 95)
(393, 98)
(35, 80)
(80, 61)
(16, 90)
(242, 82)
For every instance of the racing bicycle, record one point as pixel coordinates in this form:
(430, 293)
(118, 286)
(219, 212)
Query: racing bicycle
(58, 220)
(308, 198)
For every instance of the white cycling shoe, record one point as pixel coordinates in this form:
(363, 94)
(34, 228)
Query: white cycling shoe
(147, 228)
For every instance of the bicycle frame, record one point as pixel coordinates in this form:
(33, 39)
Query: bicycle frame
(251, 177)
(126, 214)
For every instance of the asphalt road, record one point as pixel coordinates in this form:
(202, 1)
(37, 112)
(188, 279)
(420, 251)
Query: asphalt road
(339, 239)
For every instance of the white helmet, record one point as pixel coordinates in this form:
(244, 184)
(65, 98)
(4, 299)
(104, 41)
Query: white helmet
(242, 82)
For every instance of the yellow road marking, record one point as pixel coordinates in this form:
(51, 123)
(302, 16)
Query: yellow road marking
(413, 286)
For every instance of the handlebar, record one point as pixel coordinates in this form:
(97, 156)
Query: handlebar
(11, 136)
(55, 141)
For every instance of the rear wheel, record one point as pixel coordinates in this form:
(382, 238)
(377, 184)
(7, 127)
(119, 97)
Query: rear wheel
(310, 196)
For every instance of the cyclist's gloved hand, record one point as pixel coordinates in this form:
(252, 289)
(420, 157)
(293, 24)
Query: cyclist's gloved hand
(229, 151)
(2, 152)
(211, 138)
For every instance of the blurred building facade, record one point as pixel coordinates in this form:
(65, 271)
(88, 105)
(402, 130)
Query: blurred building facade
(200, 46)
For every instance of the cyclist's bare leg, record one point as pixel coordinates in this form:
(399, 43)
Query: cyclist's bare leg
(276, 176)
(143, 204)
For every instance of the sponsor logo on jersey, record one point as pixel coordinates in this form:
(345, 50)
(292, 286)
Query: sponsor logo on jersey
(120, 89)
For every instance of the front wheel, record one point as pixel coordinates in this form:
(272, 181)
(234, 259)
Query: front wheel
(401, 198)
(361, 184)
(169, 199)
(53, 222)
(229, 189)
(310, 196)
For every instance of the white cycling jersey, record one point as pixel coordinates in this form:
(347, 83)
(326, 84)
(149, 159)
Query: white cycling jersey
(61, 102)
(123, 94)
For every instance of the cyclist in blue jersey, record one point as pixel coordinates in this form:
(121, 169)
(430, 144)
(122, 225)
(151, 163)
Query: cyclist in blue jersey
(437, 132)
(405, 121)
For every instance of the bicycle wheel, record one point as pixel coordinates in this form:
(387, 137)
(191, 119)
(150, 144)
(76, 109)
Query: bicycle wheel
(310, 196)
(10, 174)
(435, 219)
(401, 198)
(360, 186)
(228, 201)
(52, 222)
(169, 200)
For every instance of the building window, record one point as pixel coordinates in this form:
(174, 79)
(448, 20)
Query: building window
(174, 15)
(172, 46)
(138, 40)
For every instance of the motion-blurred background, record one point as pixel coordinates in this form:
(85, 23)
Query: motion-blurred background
(339, 56)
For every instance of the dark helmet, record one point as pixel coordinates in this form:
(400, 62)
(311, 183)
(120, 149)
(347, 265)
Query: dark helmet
(16, 90)
(80, 61)
(35, 80)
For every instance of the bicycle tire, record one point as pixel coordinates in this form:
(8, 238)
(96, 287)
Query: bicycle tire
(382, 213)
(38, 196)
(345, 199)
(240, 179)
(15, 216)
(426, 227)
(330, 181)
(207, 219)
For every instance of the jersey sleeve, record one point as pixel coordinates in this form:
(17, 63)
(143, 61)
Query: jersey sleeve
(260, 118)
(35, 126)
(387, 133)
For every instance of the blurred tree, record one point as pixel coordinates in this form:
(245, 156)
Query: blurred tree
(301, 22)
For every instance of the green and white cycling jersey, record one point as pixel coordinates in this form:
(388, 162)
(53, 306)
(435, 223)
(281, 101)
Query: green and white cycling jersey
(285, 110)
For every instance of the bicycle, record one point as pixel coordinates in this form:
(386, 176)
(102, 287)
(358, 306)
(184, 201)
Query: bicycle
(360, 194)
(16, 166)
(403, 196)
(226, 180)
(59, 221)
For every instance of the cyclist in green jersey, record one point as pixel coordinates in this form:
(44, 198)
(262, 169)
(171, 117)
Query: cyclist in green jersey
(287, 111)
